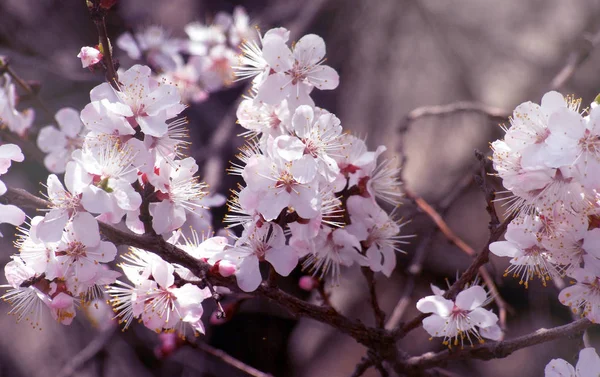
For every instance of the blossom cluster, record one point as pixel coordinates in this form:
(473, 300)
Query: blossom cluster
(303, 176)
(549, 159)
(312, 193)
(125, 148)
(199, 64)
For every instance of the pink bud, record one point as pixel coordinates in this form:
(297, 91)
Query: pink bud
(226, 268)
(89, 56)
(308, 283)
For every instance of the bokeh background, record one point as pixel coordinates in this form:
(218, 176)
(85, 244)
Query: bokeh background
(393, 56)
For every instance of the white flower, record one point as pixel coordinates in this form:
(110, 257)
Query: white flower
(214, 69)
(110, 172)
(16, 121)
(80, 251)
(265, 243)
(585, 294)
(261, 118)
(459, 320)
(296, 72)
(89, 56)
(9, 213)
(378, 233)
(60, 143)
(529, 258)
(161, 51)
(588, 365)
(328, 251)
(251, 62)
(141, 99)
(316, 134)
(27, 302)
(178, 190)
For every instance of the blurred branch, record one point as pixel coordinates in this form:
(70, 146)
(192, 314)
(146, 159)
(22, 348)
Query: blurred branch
(87, 354)
(496, 350)
(229, 360)
(493, 113)
(575, 59)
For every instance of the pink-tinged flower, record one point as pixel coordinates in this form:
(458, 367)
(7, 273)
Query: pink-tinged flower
(65, 204)
(315, 134)
(9, 213)
(529, 258)
(178, 191)
(584, 296)
(141, 100)
(34, 252)
(355, 161)
(89, 56)
(296, 72)
(263, 119)
(459, 321)
(378, 232)
(60, 143)
(214, 69)
(284, 184)
(328, 252)
(241, 28)
(29, 302)
(80, 251)
(265, 243)
(588, 365)
(62, 308)
(157, 302)
(161, 51)
(16, 121)
(110, 171)
(251, 62)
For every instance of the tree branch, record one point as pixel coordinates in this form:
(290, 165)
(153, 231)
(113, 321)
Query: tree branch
(497, 350)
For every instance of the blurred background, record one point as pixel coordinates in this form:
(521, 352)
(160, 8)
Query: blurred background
(393, 56)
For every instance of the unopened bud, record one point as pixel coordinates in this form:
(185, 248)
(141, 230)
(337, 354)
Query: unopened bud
(308, 283)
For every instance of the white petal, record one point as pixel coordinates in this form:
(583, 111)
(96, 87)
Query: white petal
(324, 77)
(277, 54)
(588, 364)
(50, 139)
(504, 249)
(435, 304)
(248, 274)
(283, 259)
(11, 214)
(309, 50)
(471, 298)
(481, 317)
(69, 121)
(86, 229)
(559, 368)
(435, 325)
(274, 89)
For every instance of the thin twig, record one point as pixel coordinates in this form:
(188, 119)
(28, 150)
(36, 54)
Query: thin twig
(98, 15)
(379, 314)
(229, 360)
(96, 346)
(462, 245)
(362, 367)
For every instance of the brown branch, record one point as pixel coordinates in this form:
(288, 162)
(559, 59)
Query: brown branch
(379, 314)
(362, 367)
(229, 360)
(496, 350)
